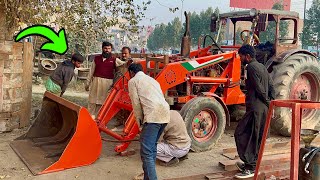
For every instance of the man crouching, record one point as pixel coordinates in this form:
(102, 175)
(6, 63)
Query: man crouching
(174, 143)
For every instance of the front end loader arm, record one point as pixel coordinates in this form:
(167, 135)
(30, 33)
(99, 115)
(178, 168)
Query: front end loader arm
(170, 76)
(177, 73)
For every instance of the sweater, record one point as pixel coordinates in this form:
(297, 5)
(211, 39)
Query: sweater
(63, 74)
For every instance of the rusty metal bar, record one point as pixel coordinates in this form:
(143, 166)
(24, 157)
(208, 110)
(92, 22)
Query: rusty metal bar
(295, 141)
(296, 106)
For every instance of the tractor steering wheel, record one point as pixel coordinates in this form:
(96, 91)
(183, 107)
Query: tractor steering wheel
(213, 42)
(245, 38)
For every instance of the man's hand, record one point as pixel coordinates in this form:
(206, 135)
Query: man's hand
(130, 61)
(87, 87)
(267, 103)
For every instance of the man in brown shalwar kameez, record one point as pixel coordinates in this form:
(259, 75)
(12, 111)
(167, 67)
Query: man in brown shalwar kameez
(100, 78)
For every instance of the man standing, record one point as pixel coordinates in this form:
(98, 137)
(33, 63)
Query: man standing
(175, 142)
(58, 81)
(249, 131)
(151, 111)
(126, 58)
(120, 71)
(100, 78)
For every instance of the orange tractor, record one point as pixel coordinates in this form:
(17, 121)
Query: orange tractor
(204, 84)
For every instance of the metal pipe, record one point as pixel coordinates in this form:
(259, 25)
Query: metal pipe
(129, 124)
(106, 105)
(200, 79)
(218, 34)
(111, 133)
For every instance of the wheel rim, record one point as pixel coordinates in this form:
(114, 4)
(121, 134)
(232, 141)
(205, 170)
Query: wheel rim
(306, 87)
(204, 125)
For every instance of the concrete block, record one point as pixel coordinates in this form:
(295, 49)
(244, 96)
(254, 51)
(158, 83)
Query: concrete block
(16, 106)
(4, 56)
(16, 48)
(6, 107)
(6, 47)
(4, 125)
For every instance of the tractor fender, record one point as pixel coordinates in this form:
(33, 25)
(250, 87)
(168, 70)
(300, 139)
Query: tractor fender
(221, 102)
(284, 56)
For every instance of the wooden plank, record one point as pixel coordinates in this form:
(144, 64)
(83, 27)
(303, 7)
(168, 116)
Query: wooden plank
(224, 175)
(139, 55)
(283, 150)
(152, 69)
(215, 176)
(231, 156)
(269, 146)
(229, 165)
(272, 148)
(27, 84)
(192, 177)
(157, 59)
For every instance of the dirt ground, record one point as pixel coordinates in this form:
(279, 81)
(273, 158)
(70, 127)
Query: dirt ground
(110, 165)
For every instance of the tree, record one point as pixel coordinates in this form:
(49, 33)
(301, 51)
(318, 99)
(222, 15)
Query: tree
(311, 29)
(84, 20)
(222, 29)
(269, 34)
(195, 27)
(200, 25)
(171, 37)
(174, 30)
(158, 39)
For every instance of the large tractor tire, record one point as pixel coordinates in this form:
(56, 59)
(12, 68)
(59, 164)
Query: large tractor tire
(297, 78)
(205, 120)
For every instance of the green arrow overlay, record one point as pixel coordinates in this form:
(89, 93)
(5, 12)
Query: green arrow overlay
(57, 41)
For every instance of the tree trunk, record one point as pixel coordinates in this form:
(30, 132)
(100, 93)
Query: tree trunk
(3, 27)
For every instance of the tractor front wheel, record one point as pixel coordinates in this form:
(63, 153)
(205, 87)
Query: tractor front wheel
(205, 120)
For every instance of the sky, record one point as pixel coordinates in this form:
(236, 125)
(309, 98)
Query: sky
(158, 10)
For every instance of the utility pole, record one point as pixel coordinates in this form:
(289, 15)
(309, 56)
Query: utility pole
(304, 11)
(181, 10)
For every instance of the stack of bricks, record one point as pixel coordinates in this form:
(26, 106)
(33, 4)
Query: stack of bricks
(15, 78)
(10, 84)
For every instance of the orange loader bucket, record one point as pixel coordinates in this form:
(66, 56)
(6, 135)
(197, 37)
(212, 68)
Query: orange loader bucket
(62, 136)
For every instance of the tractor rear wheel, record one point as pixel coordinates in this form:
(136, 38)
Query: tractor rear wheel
(297, 78)
(205, 120)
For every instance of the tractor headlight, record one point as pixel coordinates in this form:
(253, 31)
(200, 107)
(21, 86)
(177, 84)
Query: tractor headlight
(253, 12)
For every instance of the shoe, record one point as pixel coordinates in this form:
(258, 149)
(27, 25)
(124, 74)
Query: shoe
(184, 157)
(173, 162)
(240, 166)
(245, 174)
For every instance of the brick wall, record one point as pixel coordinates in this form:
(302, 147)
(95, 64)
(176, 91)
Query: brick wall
(15, 84)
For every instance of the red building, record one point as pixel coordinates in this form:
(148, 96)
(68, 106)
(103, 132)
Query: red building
(259, 4)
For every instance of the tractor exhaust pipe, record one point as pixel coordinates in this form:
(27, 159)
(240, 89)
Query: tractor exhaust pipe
(186, 40)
